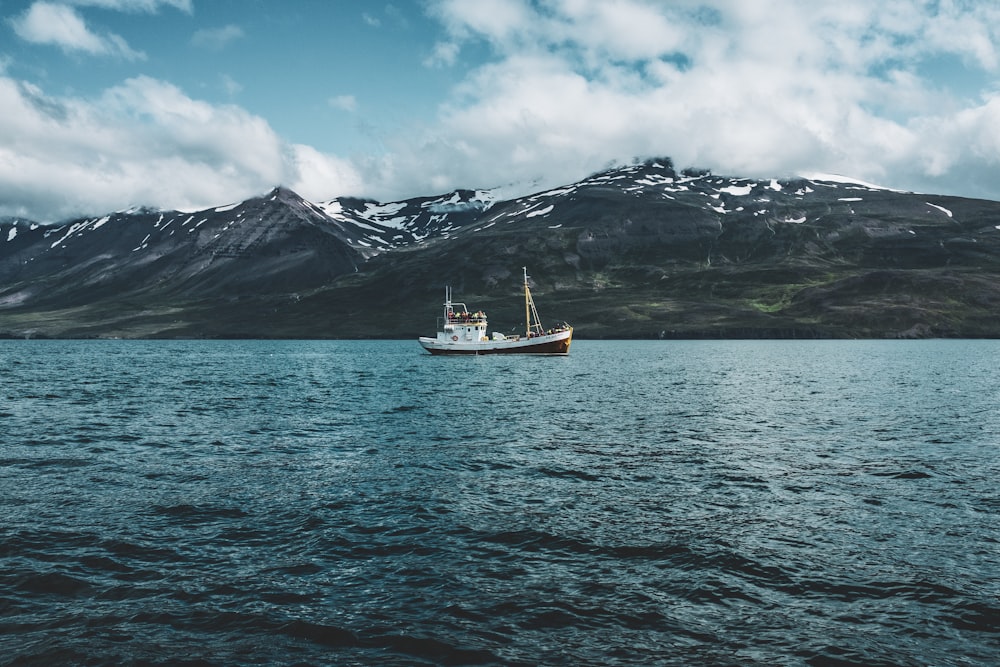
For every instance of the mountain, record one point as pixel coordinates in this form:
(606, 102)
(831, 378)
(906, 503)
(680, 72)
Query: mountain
(636, 251)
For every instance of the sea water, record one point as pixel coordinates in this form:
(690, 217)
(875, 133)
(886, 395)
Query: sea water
(358, 502)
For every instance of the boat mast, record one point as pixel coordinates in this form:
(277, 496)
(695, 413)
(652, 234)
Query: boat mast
(529, 310)
(527, 316)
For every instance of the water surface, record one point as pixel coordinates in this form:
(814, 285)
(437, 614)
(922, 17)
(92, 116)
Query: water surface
(350, 502)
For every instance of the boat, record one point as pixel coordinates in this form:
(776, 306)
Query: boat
(461, 331)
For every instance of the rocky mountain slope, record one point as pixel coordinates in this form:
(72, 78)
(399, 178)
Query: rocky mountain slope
(637, 251)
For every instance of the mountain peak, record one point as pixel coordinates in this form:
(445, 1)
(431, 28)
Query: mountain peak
(280, 192)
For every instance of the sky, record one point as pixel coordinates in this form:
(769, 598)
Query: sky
(188, 104)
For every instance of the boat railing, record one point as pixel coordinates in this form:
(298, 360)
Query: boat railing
(449, 323)
(462, 318)
(559, 328)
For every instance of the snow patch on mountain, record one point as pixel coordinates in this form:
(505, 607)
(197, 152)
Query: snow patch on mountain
(383, 211)
(479, 201)
(940, 208)
(845, 180)
(333, 209)
(72, 230)
(738, 190)
(558, 192)
(543, 211)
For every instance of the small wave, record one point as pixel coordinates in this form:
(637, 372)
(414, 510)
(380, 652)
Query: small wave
(41, 541)
(903, 474)
(434, 650)
(401, 408)
(566, 473)
(837, 655)
(423, 648)
(327, 635)
(979, 617)
(198, 513)
(59, 463)
(104, 564)
(48, 583)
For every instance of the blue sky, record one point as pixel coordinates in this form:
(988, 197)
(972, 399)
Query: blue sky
(105, 104)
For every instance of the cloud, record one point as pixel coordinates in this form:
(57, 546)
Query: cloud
(144, 142)
(318, 176)
(147, 6)
(216, 38)
(396, 15)
(768, 88)
(505, 23)
(231, 85)
(444, 55)
(392, 13)
(60, 25)
(344, 102)
(547, 93)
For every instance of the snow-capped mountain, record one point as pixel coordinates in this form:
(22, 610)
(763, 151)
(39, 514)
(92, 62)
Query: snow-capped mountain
(400, 223)
(275, 243)
(757, 248)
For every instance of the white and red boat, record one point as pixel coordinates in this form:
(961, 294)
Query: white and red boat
(463, 332)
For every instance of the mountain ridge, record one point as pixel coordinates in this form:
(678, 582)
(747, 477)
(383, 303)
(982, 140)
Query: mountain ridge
(640, 250)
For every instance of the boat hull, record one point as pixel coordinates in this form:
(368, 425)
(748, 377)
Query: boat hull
(555, 343)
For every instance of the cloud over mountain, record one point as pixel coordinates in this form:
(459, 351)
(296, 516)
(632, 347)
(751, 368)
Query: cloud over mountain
(763, 87)
(902, 92)
(148, 139)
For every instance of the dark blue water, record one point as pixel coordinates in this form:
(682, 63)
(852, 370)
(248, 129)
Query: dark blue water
(750, 503)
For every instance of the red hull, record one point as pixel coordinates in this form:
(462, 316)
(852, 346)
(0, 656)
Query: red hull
(549, 347)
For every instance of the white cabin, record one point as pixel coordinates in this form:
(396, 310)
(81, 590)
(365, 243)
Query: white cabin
(461, 326)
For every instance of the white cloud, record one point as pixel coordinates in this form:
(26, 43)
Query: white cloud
(344, 102)
(552, 92)
(619, 29)
(216, 38)
(318, 176)
(769, 88)
(392, 13)
(144, 142)
(60, 25)
(955, 152)
(444, 54)
(502, 22)
(148, 6)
